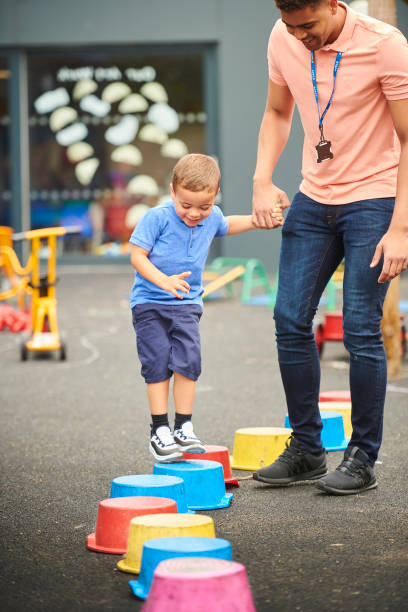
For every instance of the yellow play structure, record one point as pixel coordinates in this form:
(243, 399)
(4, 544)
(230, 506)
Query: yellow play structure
(28, 281)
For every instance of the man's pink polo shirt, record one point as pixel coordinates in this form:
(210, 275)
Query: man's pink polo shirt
(373, 69)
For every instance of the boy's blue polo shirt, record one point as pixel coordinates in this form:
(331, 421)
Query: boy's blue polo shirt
(174, 247)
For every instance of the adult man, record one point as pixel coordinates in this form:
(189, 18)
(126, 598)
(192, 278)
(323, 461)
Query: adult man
(348, 76)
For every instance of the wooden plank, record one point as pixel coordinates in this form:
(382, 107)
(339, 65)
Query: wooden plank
(223, 280)
(391, 328)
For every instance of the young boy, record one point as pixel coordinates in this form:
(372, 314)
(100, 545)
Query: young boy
(170, 245)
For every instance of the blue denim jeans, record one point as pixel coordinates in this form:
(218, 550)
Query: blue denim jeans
(315, 238)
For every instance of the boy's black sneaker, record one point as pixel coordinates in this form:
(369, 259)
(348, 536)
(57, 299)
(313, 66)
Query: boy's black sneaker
(162, 445)
(353, 475)
(293, 465)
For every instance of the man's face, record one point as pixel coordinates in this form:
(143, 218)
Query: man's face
(313, 25)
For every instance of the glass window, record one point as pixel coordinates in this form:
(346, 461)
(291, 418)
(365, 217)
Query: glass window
(105, 133)
(5, 199)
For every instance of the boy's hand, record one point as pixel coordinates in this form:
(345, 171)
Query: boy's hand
(277, 217)
(266, 199)
(177, 283)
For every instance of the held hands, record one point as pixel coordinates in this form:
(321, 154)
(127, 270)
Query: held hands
(267, 205)
(177, 283)
(394, 247)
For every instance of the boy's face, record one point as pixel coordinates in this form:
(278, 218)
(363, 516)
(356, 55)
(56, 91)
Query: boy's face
(313, 25)
(192, 206)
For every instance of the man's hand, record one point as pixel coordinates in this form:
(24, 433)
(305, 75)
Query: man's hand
(177, 283)
(267, 205)
(394, 246)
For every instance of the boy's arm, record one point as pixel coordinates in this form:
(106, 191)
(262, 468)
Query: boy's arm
(237, 224)
(172, 284)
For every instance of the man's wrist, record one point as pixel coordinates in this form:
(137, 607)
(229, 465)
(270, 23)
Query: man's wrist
(262, 180)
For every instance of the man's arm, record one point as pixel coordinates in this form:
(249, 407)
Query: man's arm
(172, 284)
(273, 136)
(394, 244)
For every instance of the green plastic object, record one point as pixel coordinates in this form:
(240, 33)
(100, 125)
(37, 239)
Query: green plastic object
(255, 275)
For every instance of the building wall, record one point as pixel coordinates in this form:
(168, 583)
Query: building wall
(240, 28)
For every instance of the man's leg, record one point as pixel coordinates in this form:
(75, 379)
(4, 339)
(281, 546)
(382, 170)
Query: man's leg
(363, 224)
(310, 252)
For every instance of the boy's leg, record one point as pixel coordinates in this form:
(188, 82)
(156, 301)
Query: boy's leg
(158, 396)
(183, 393)
(162, 444)
(185, 361)
(153, 345)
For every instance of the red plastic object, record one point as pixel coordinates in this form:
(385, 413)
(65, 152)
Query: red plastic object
(6, 315)
(335, 396)
(330, 330)
(114, 516)
(22, 321)
(220, 454)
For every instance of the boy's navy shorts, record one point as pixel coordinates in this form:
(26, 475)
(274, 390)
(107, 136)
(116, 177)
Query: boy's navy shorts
(168, 340)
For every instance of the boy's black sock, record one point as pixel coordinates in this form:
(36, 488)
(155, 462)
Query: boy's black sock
(180, 419)
(158, 420)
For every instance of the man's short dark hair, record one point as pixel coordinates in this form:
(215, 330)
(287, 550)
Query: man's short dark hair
(295, 5)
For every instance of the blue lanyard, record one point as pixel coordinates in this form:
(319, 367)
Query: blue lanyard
(313, 69)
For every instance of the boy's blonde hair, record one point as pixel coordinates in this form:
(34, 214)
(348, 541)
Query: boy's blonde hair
(196, 172)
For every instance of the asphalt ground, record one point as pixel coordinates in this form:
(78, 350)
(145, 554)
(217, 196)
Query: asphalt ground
(69, 428)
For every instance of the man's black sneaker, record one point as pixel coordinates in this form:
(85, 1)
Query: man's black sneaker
(353, 475)
(293, 465)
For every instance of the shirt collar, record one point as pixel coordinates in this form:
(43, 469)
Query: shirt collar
(343, 41)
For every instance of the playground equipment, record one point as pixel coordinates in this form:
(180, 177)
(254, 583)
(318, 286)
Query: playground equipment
(224, 270)
(204, 482)
(45, 334)
(343, 408)
(335, 396)
(114, 515)
(222, 586)
(152, 526)
(255, 447)
(332, 434)
(10, 268)
(159, 549)
(220, 454)
(331, 330)
(152, 485)
(44, 326)
(222, 280)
